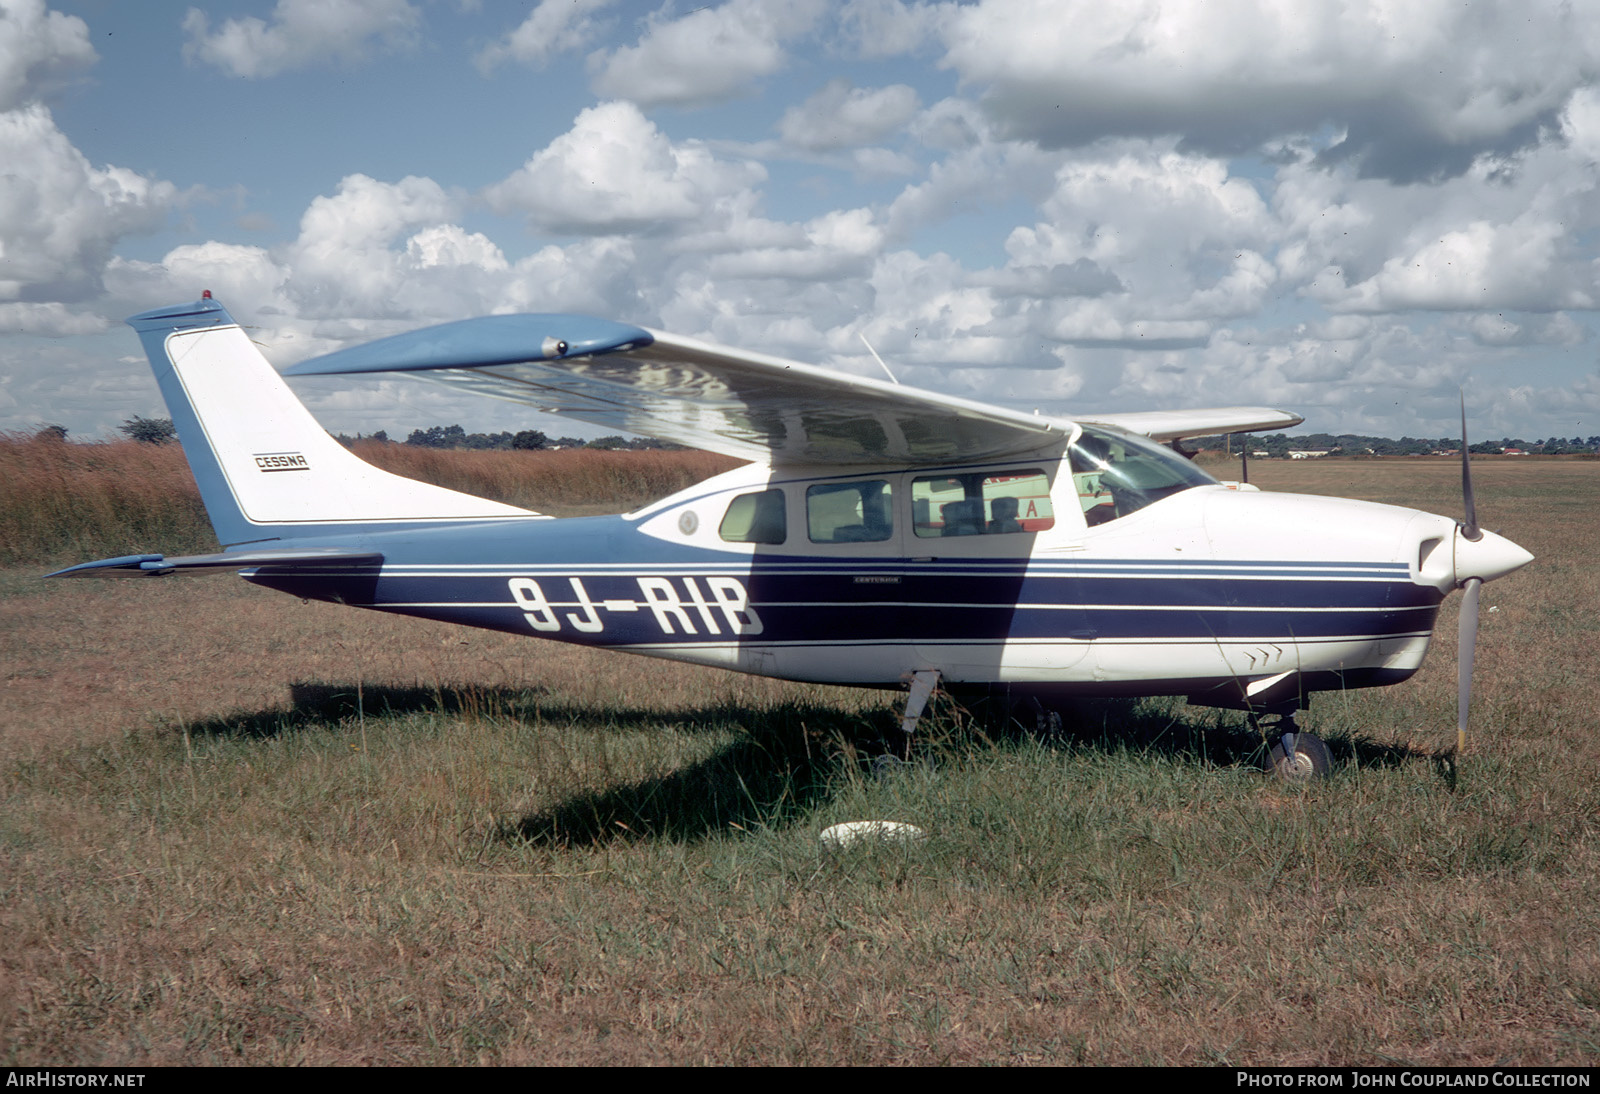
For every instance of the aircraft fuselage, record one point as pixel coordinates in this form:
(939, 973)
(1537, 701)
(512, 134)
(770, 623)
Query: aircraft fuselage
(1193, 594)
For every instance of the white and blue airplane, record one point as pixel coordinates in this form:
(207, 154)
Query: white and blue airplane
(880, 535)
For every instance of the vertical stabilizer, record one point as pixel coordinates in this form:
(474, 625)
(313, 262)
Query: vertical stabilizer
(265, 467)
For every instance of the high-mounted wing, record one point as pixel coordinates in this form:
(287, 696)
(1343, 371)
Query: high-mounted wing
(748, 405)
(1173, 425)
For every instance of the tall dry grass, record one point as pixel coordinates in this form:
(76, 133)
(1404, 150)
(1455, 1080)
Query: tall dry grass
(556, 482)
(62, 503)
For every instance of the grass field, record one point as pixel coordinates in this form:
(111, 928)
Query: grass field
(239, 828)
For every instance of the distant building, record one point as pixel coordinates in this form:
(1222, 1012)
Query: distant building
(1307, 453)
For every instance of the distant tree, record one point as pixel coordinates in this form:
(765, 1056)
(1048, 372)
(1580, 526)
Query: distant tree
(51, 432)
(381, 435)
(486, 440)
(529, 439)
(449, 436)
(612, 442)
(149, 430)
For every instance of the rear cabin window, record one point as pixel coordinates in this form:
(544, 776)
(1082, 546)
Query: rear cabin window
(981, 505)
(755, 518)
(850, 512)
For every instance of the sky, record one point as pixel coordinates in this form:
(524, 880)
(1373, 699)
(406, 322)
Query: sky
(1355, 211)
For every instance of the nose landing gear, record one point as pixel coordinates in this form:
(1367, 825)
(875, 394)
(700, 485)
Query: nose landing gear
(1295, 756)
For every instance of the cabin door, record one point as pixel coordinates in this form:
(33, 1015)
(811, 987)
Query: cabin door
(982, 607)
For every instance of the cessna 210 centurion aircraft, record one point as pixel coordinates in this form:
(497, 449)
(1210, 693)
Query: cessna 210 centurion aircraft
(880, 535)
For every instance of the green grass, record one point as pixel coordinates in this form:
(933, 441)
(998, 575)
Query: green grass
(235, 828)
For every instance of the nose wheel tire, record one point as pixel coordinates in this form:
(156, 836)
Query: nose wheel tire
(1309, 760)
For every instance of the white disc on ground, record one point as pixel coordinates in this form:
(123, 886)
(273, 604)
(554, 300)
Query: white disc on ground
(851, 833)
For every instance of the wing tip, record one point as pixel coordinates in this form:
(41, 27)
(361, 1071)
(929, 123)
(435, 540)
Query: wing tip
(483, 341)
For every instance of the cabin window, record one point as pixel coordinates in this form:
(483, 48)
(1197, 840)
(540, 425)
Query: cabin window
(1119, 473)
(980, 505)
(755, 518)
(850, 512)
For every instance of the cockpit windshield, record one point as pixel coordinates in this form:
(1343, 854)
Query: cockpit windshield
(1118, 473)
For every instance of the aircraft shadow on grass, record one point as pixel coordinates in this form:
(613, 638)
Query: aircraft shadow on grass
(786, 759)
(790, 758)
(1132, 725)
(315, 705)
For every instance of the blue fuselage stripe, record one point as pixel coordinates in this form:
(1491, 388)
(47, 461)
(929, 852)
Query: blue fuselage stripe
(661, 595)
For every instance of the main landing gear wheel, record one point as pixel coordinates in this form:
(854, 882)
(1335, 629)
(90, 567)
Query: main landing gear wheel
(1305, 759)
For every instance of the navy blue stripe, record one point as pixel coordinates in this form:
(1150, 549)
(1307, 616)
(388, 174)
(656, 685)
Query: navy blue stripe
(822, 608)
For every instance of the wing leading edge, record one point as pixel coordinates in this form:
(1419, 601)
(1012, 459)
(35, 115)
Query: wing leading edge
(1173, 425)
(749, 405)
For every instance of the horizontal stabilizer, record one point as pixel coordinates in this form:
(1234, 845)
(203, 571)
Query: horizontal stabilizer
(160, 565)
(1174, 425)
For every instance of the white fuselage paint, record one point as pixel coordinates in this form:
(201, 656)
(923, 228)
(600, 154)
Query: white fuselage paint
(1206, 537)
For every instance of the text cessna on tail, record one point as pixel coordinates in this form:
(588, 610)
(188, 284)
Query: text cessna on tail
(880, 535)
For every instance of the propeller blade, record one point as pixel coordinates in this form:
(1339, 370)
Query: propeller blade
(1470, 525)
(1467, 644)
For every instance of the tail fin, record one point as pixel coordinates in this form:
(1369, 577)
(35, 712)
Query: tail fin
(266, 469)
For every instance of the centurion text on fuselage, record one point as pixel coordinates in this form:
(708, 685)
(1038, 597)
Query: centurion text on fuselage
(879, 536)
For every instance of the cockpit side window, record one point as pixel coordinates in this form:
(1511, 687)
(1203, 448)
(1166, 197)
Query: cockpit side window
(850, 512)
(1119, 473)
(755, 518)
(977, 504)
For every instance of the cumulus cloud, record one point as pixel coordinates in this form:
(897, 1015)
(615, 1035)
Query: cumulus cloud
(844, 116)
(1506, 234)
(1478, 265)
(1130, 262)
(39, 50)
(614, 171)
(1499, 329)
(834, 245)
(1580, 124)
(708, 55)
(1418, 89)
(951, 125)
(386, 250)
(986, 173)
(51, 320)
(301, 33)
(888, 28)
(372, 258)
(247, 277)
(1161, 248)
(553, 27)
(60, 219)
